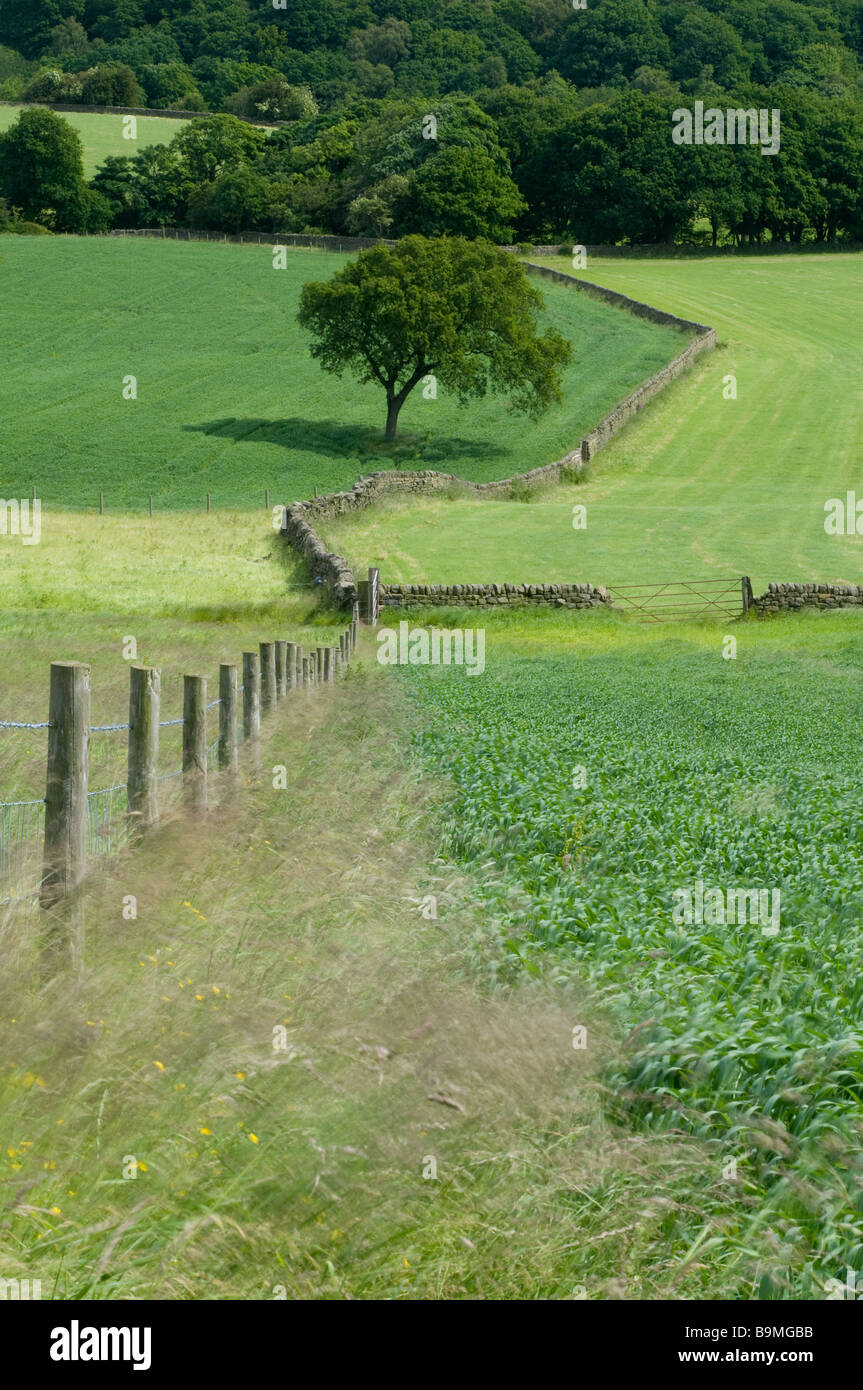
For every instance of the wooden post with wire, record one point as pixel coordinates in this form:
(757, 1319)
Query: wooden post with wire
(145, 688)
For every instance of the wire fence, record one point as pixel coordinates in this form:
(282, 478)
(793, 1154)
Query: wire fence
(106, 822)
(22, 823)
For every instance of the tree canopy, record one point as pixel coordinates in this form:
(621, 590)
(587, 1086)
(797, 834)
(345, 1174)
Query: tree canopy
(546, 121)
(461, 311)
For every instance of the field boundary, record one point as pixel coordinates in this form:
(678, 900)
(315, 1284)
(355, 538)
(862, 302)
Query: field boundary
(135, 111)
(335, 572)
(46, 844)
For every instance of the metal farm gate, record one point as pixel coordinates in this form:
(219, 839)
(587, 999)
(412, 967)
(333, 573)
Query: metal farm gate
(680, 599)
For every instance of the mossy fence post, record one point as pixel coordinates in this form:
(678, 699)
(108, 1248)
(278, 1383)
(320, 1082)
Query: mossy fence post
(65, 847)
(227, 751)
(195, 742)
(269, 683)
(145, 688)
(281, 669)
(64, 851)
(291, 666)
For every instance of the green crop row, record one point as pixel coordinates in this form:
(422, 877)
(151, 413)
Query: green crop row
(739, 774)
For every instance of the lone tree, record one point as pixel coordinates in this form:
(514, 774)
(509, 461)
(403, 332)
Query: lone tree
(460, 310)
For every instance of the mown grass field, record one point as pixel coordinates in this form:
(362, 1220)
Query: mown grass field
(229, 400)
(698, 484)
(102, 132)
(738, 773)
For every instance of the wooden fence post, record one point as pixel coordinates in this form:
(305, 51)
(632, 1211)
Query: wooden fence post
(228, 718)
(281, 669)
(291, 665)
(319, 664)
(307, 679)
(298, 674)
(145, 688)
(65, 850)
(374, 597)
(251, 695)
(328, 665)
(268, 677)
(746, 587)
(195, 742)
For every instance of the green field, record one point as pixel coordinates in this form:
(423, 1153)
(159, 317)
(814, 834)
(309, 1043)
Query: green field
(605, 1169)
(192, 590)
(102, 132)
(697, 484)
(229, 400)
(736, 773)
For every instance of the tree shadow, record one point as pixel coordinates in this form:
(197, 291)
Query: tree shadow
(337, 440)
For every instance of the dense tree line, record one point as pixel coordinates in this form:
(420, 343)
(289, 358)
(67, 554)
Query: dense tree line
(548, 121)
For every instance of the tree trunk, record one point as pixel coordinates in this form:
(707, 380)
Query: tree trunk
(394, 405)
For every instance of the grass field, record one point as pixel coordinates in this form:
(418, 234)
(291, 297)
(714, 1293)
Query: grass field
(229, 400)
(157, 1144)
(102, 133)
(736, 773)
(698, 484)
(193, 591)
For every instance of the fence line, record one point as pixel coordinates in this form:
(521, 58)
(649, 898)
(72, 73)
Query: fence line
(47, 843)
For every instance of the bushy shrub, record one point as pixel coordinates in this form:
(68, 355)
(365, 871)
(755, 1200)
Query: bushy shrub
(114, 86)
(52, 85)
(237, 201)
(12, 88)
(12, 63)
(26, 229)
(273, 100)
(171, 86)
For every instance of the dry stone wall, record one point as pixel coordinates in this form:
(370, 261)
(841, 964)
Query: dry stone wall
(491, 595)
(135, 111)
(783, 598)
(335, 572)
(331, 570)
(703, 340)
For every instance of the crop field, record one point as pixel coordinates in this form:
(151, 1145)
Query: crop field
(732, 773)
(229, 400)
(699, 484)
(102, 132)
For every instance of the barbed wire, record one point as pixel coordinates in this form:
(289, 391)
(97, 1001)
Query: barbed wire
(103, 728)
(21, 835)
